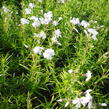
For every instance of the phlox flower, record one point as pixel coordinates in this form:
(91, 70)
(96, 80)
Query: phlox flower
(55, 23)
(5, 9)
(42, 35)
(48, 17)
(24, 21)
(88, 75)
(103, 104)
(32, 5)
(57, 33)
(61, 1)
(55, 40)
(40, 0)
(38, 50)
(93, 32)
(86, 100)
(75, 21)
(60, 18)
(84, 23)
(28, 11)
(48, 54)
(70, 71)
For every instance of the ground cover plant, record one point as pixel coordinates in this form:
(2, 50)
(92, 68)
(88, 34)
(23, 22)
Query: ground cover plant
(54, 54)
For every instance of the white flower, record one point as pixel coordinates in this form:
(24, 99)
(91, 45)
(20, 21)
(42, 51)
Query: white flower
(28, 11)
(36, 23)
(70, 71)
(87, 100)
(48, 54)
(85, 24)
(55, 40)
(48, 17)
(55, 23)
(60, 100)
(57, 33)
(75, 21)
(24, 21)
(42, 20)
(42, 35)
(33, 18)
(61, 1)
(40, 0)
(67, 103)
(88, 75)
(93, 32)
(36, 35)
(38, 50)
(5, 9)
(32, 5)
(26, 46)
(77, 102)
(60, 18)
(103, 104)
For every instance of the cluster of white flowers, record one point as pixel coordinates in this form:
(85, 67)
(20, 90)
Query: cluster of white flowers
(86, 100)
(48, 53)
(38, 50)
(29, 9)
(24, 21)
(40, 35)
(47, 18)
(36, 22)
(88, 31)
(56, 35)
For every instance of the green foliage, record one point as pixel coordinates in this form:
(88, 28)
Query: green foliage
(28, 80)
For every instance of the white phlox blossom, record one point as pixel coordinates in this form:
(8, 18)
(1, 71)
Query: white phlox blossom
(84, 23)
(67, 103)
(28, 11)
(103, 104)
(77, 102)
(60, 18)
(70, 71)
(75, 21)
(47, 18)
(5, 9)
(61, 1)
(24, 21)
(88, 75)
(40, 35)
(40, 0)
(93, 32)
(55, 23)
(38, 50)
(48, 54)
(86, 100)
(26, 46)
(32, 5)
(36, 21)
(56, 35)
(55, 40)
